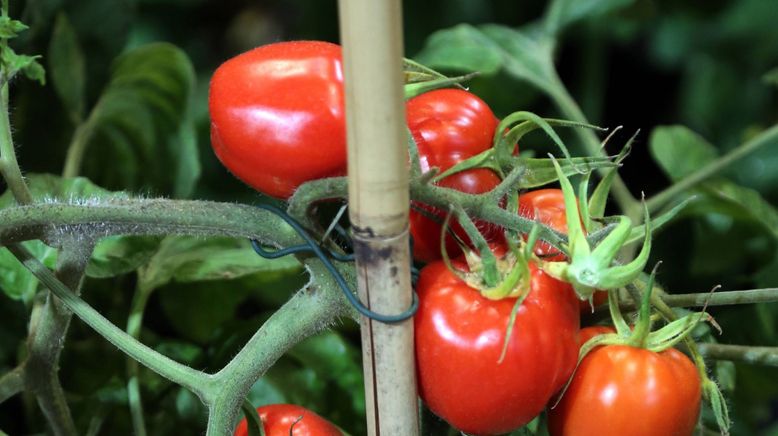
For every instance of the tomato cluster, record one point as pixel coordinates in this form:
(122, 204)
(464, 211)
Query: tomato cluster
(486, 366)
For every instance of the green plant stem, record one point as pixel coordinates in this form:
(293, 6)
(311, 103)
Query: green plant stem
(767, 356)
(195, 381)
(769, 136)
(77, 149)
(750, 296)
(134, 324)
(47, 339)
(11, 383)
(9, 167)
(568, 106)
(45, 343)
(143, 217)
(308, 312)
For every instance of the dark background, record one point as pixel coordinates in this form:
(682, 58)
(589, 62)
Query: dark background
(651, 63)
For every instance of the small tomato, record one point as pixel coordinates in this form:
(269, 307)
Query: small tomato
(290, 420)
(622, 390)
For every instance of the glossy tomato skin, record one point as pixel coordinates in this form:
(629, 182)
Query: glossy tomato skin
(449, 126)
(459, 338)
(623, 390)
(277, 115)
(548, 206)
(278, 419)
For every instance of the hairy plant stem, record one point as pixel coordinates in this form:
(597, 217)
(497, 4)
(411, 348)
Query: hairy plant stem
(567, 105)
(9, 167)
(134, 324)
(308, 312)
(726, 298)
(767, 356)
(769, 136)
(47, 339)
(45, 342)
(11, 383)
(195, 381)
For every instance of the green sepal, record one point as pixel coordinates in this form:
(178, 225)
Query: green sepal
(504, 143)
(637, 233)
(485, 159)
(255, 427)
(674, 332)
(540, 171)
(711, 392)
(590, 269)
(417, 88)
(622, 328)
(486, 267)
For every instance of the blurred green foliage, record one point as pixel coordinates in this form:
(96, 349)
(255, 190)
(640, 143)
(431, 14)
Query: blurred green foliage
(697, 78)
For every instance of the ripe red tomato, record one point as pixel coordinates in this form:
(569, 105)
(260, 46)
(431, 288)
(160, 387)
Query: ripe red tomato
(277, 115)
(622, 390)
(459, 339)
(278, 419)
(449, 126)
(548, 206)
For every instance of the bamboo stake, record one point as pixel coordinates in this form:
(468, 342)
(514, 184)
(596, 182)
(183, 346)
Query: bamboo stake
(371, 34)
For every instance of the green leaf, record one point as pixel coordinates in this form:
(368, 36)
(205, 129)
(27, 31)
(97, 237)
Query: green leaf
(190, 259)
(14, 63)
(117, 255)
(489, 49)
(463, 48)
(679, 151)
(50, 188)
(771, 77)
(147, 105)
(10, 28)
(334, 359)
(565, 12)
(746, 202)
(67, 66)
(16, 281)
(524, 57)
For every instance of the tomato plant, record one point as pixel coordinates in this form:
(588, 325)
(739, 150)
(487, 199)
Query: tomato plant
(459, 340)
(290, 420)
(277, 115)
(449, 126)
(620, 389)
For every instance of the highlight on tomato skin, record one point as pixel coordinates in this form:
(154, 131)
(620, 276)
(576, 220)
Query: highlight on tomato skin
(619, 390)
(279, 419)
(277, 115)
(449, 125)
(459, 339)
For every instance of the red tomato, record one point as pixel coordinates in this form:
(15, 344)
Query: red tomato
(548, 206)
(277, 115)
(278, 419)
(449, 126)
(621, 390)
(459, 338)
